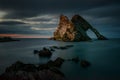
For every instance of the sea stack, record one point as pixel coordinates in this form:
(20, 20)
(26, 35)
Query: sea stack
(74, 29)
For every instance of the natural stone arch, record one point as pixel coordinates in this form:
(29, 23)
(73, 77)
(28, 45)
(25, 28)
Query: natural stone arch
(74, 29)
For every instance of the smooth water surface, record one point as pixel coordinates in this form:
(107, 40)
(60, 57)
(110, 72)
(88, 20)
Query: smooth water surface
(104, 56)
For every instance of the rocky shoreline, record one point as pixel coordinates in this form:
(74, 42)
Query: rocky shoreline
(21, 71)
(46, 71)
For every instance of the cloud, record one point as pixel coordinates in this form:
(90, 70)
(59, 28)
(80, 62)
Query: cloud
(46, 11)
(36, 28)
(25, 29)
(42, 16)
(11, 23)
(103, 11)
(31, 8)
(43, 19)
(38, 20)
(2, 13)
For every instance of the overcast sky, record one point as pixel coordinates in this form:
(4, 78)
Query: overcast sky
(39, 18)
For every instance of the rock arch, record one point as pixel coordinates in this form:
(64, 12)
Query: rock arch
(74, 29)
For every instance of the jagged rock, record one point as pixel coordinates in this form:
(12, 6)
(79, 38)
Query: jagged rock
(56, 71)
(101, 37)
(61, 47)
(52, 49)
(58, 62)
(21, 71)
(65, 31)
(45, 52)
(36, 51)
(19, 66)
(50, 63)
(74, 29)
(45, 74)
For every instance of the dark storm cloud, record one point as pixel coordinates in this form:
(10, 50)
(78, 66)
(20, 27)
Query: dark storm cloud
(11, 23)
(30, 8)
(40, 19)
(18, 29)
(44, 18)
(103, 13)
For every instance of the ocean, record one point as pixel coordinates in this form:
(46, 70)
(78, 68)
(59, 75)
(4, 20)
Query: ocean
(104, 56)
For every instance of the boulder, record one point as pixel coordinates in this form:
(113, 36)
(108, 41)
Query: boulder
(58, 62)
(51, 49)
(36, 51)
(61, 47)
(45, 52)
(19, 66)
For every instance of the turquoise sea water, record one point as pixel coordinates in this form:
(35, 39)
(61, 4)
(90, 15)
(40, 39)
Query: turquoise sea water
(103, 55)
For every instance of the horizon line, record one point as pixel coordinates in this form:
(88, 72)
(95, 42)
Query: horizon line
(24, 36)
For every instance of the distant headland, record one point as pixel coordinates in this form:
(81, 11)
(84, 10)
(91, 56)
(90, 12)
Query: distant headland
(7, 39)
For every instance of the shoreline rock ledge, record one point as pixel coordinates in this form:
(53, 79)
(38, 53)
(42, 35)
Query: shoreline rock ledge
(74, 29)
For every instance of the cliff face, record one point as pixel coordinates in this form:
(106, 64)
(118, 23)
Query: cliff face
(74, 29)
(65, 30)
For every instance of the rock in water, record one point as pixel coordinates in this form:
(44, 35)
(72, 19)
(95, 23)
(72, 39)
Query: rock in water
(45, 52)
(65, 31)
(74, 29)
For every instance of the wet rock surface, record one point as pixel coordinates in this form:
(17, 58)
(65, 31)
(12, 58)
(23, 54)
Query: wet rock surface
(58, 62)
(47, 71)
(45, 52)
(83, 63)
(74, 29)
(62, 47)
(21, 71)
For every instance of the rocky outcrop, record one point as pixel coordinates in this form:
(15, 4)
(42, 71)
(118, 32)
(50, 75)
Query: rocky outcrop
(61, 47)
(21, 71)
(74, 29)
(43, 53)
